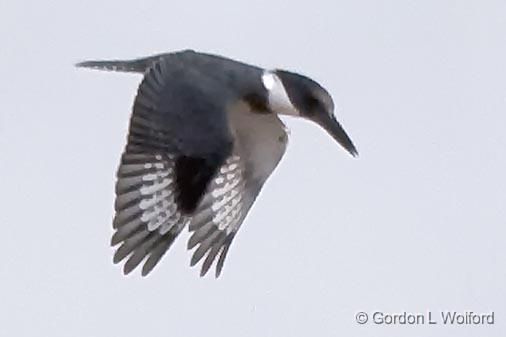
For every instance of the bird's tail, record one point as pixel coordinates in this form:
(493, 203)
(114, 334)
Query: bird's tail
(139, 65)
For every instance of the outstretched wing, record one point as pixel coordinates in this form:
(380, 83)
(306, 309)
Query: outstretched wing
(260, 144)
(148, 219)
(177, 141)
(220, 214)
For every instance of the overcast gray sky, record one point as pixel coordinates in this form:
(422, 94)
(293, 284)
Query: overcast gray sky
(416, 223)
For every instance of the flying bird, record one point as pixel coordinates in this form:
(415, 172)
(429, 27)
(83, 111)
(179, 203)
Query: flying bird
(204, 136)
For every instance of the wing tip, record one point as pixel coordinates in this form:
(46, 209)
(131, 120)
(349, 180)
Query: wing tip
(89, 64)
(82, 64)
(120, 66)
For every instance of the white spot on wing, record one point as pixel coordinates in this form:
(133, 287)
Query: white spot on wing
(159, 209)
(227, 194)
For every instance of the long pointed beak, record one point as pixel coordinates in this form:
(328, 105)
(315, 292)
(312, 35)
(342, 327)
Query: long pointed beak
(332, 126)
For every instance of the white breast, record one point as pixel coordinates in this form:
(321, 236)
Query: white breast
(261, 140)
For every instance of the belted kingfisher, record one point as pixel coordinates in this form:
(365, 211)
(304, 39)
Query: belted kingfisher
(204, 137)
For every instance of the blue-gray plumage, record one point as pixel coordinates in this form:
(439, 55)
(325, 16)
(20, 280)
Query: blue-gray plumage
(204, 136)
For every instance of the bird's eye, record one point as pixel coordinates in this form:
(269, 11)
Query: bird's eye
(312, 101)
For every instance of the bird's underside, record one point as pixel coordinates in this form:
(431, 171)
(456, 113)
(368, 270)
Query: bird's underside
(193, 158)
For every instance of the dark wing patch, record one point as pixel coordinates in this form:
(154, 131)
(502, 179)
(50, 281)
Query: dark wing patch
(220, 215)
(192, 178)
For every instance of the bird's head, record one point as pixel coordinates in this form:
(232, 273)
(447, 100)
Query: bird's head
(297, 95)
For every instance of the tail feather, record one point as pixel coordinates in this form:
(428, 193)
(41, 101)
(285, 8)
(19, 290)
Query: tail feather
(134, 66)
